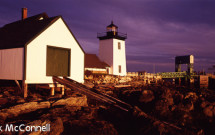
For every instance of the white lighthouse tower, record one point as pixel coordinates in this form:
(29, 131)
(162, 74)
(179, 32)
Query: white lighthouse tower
(112, 49)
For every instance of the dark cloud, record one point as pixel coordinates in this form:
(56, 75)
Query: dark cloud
(157, 30)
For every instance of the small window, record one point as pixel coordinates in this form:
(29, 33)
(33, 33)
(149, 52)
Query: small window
(120, 70)
(41, 18)
(119, 45)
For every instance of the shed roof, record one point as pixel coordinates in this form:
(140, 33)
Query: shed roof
(17, 34)
(92, 61)
(20, 33)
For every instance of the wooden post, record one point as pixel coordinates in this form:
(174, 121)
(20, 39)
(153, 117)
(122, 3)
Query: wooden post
(19, 86)
(24, 89)
(62, 89)
(52, 91)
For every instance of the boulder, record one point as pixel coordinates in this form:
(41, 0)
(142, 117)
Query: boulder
(7, 94)
(160, 127)
(56, 126)
(147, 96)
(188, 105)
(91, 127)
(17, 110)
(167, 97)
(72, 101)
(163, 108)
(66, 113)
(213, 110)
(186, 119)
(204, 104)
(177, 98)
(208, 111)
(35, 123)
(192, 96)
(3, 101)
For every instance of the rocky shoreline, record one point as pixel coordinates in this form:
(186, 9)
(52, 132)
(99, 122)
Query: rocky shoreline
(160, 109)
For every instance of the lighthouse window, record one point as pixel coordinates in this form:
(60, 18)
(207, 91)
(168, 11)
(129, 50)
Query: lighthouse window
(120, 69)
(119, 45)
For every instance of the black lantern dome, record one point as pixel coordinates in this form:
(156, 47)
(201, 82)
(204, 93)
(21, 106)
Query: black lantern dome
(111, 32)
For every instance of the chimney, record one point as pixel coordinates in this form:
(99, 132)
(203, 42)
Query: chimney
(24, 13)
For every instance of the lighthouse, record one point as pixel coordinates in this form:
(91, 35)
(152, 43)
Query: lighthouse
(112, 49)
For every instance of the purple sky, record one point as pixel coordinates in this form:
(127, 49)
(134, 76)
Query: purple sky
(157, 30)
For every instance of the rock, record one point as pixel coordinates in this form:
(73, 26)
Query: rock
(35, 97)
(72, 109)
(188, 105)
(103, 128)
(167, 97)
(6, 93)
(147, 96)
(37, 123)
(20, 100)
(86, 113)
(192, 96)
(58, 95)
(177, 98)
(72, 101)
(66, 113)
(162, 107)
(22, 109)
(204, 104)
(3, 101)
(12, 98)
(208, 111)
(12, 91)
(213, 110)
(109, 92)
(91, 127)
(160, 126)
(56, 127)
(165, 105)
(131, 95)
(186, 119)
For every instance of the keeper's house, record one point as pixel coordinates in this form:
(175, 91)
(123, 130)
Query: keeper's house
(36, 48)
(95, 65)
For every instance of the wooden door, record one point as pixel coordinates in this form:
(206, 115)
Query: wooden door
(58, 61)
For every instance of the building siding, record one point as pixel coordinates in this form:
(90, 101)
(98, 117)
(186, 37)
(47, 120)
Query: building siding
(106, 52)
(119, 57)
(12, 64)
(57, 35)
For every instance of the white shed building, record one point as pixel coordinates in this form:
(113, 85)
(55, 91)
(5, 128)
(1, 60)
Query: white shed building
(36, 48)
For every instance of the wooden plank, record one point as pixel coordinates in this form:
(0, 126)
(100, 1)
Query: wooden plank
(106, 98)
(82, 90)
